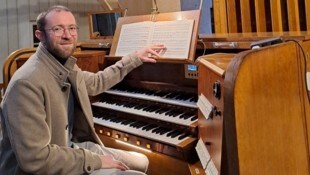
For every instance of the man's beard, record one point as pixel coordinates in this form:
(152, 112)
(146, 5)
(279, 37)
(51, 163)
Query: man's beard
(59, 52)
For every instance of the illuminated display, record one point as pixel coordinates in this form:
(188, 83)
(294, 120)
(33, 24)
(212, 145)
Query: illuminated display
(191, 67)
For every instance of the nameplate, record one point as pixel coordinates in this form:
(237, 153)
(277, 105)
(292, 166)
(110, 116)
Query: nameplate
(211, 169)
(205, 106)
(308, 81)
(203, 153)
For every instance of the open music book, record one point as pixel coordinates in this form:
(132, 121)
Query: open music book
(175, 35)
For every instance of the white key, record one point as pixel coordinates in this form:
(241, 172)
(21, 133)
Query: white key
(178, 102)
(140, 132)
(153, 115)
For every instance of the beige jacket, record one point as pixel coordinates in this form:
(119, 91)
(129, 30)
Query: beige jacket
(35, 118)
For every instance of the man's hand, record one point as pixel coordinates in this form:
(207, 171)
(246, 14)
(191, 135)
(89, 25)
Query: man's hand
(148, 54)
(107, 162)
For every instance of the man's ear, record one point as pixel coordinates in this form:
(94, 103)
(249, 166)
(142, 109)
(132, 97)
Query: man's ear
(40, 35)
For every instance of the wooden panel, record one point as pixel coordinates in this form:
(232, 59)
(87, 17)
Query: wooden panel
(220, 16)
(211, 73)
(293, 15)
(270, 133)
(232, 17)
(245, 16)
(242, 41)
(89, 60)
(276, 15)
(260, 15)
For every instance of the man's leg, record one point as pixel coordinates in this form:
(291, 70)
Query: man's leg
(135, 161)
(116, 172)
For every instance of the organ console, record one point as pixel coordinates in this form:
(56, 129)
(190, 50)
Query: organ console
(154, 108)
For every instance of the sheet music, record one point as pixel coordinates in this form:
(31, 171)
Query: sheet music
(175, 35)
(203, 153)
(133, 37)
(205, 106)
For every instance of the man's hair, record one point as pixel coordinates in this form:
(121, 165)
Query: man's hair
(41, 21)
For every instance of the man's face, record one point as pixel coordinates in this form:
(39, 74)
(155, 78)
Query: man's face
(63, 45)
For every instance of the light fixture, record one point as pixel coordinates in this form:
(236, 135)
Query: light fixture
(134, 146)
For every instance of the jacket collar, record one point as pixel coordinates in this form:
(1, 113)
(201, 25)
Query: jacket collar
(55, 67)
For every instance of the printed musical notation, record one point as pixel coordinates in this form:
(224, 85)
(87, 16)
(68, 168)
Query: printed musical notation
(175, 35)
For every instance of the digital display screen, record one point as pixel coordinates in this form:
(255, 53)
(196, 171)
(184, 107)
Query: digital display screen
(191, 67)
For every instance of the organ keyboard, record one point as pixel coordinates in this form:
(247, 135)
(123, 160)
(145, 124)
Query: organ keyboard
(154, 107)
(146, 128)
(182, 99)
(156, 110)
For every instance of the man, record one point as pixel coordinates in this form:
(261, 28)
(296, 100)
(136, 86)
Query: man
(46, 114)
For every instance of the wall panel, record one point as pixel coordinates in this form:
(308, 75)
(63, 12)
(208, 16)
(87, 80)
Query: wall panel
(18, 16)
(13, 34)
(3, 32)
(24, 27)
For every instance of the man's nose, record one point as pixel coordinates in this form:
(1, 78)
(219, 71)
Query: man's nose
(66, 33)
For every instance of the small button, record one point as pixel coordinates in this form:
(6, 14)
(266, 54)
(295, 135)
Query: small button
(117, 136)
(125, 139)
(64, 88)
(100, 131)
(108, 134)
(88, 168)
(148, 146)
(138, 142)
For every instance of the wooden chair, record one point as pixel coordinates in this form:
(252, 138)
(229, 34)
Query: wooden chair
(13, 62)
(243, 16)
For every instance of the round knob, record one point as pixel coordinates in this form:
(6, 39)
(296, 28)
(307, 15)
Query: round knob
(217, 89)
(216, 112)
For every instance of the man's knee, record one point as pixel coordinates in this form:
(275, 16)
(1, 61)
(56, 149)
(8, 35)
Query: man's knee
(141, 161)
(116, 172)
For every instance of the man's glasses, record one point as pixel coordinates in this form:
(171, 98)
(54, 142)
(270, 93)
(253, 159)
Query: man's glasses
(59, 30)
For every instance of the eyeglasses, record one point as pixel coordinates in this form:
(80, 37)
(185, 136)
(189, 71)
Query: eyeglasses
(59, 30)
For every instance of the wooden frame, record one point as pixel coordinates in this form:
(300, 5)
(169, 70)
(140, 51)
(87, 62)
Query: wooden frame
(112, 13)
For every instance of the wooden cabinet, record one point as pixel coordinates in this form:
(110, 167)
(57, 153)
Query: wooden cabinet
(89, 60)
(257, 119)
